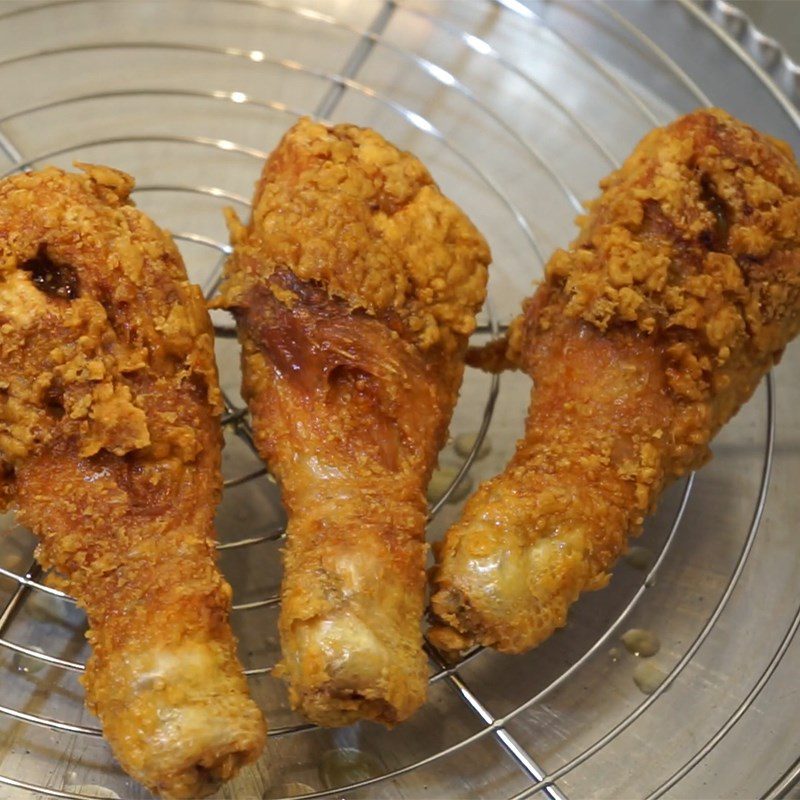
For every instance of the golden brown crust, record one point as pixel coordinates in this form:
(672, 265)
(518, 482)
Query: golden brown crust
(354, 286)
(391, 242)
(691, 241)
(681, 290)
(110, 446)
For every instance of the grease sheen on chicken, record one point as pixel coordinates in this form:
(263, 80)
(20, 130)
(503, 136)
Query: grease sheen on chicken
(355, 286)
(110, 452)
(646, 336)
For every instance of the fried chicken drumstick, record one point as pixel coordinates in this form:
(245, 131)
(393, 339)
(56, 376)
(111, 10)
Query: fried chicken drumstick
(646, 336)
(110, 452)
(355, 287)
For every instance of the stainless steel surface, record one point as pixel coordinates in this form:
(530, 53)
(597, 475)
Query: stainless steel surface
(518, 110)
(771, 28)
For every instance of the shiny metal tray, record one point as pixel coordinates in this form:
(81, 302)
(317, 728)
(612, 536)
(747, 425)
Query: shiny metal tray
(518, 109)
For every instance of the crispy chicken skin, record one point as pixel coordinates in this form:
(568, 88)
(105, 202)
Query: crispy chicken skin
(110, 452)
(647, 335)
(355, 286)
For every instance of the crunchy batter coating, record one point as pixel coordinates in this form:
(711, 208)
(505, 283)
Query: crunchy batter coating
(110, 452)
(355, 287)
(680, 292)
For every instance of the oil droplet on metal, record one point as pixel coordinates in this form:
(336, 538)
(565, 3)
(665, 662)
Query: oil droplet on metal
(440, 482)
(641, 642)
(639, 557)
(648, 677)
(28, 664)
(297, 789)
(290, 789)
(464, 443)
(92, 790)
(347, 765)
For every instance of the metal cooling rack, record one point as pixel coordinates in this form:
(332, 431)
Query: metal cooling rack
(518, 109)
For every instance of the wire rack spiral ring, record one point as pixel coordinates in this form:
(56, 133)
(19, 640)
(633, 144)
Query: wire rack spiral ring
(368, 38)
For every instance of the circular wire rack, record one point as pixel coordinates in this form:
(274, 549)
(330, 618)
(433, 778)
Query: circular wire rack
(518, 109)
